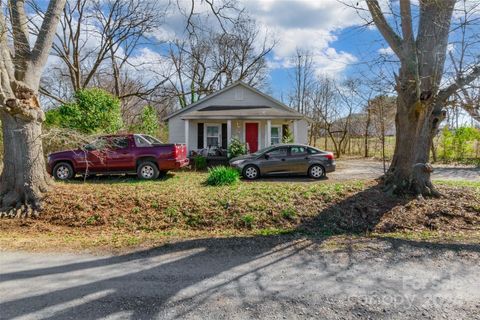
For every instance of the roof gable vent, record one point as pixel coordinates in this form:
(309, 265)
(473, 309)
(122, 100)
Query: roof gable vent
(239, 94)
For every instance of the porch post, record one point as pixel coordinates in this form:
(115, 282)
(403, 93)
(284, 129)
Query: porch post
(295, 131)
(269, 133)
(229, 132)
(187, 127)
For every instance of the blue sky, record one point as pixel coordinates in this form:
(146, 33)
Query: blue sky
(333, 33)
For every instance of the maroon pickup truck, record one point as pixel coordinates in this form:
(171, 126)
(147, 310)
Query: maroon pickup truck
(115, 154)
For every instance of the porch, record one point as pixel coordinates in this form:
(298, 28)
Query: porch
(215, 135)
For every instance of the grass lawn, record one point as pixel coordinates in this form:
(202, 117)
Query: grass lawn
(120, 212)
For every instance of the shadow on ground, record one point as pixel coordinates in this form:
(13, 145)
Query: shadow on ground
(114, 179)
(143, 284)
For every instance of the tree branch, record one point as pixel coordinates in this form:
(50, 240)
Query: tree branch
(459, 83)
(393, 39)
(47, 32)
(407, 28)
(5, 54)
(20, 30)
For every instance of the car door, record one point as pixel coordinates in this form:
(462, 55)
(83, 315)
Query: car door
(298, 160)
(119, 155)
(274, 161)
(92, 157)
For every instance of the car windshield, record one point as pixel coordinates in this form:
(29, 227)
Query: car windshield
(262, 151)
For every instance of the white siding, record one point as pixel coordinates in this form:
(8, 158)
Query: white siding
(232, 97)
(302, 131)
(176, 130)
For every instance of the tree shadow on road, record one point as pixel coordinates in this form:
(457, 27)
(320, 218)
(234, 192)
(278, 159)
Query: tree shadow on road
(144, 283)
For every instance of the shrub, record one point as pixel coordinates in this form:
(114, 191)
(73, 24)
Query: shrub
(200, 162)
(236, 148)
(220, 176)
(289, 213)
(92, 111)
(248, 220)
(148, 122)
(287, 136)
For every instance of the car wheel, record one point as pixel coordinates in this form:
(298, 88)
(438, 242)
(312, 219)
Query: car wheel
(63, 171)
(316, 171)
(147, 171)
(251, 172)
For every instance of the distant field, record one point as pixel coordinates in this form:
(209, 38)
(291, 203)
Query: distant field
(356, 148)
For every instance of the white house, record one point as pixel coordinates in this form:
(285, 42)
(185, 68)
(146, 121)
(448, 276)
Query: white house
(237, 111)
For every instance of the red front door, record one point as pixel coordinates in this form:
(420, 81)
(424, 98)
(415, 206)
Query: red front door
(251, 136)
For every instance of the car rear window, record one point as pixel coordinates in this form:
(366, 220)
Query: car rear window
(313, 151)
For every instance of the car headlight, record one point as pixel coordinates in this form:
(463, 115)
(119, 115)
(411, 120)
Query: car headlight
(237, 162)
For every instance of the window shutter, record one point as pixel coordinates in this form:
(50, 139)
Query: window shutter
(200, 135)
(224, 136)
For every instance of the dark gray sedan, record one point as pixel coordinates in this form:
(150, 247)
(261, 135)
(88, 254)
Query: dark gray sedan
(286, 159)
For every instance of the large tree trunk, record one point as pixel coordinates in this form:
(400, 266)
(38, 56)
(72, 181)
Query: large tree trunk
(24, 179)
(416, 122)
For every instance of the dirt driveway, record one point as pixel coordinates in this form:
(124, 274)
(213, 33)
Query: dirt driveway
(369, 169)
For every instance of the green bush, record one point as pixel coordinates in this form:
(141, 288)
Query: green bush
(236, 148)
(248, 220)
(289, 213)
(200, 162)
(459, 145)
(287, 136)
(92, 111)
(220, 176)
(148, 122)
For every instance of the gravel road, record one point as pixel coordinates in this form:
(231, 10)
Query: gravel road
(245, 278)
(369, 169)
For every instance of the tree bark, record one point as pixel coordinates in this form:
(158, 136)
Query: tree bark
(416, 124)
(24, 179)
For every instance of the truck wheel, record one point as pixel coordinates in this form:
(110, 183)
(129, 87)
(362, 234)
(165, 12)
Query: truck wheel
(147, 171)
(63, 171)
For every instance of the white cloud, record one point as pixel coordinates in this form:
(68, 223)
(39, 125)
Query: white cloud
(306, 25)
(386, 51)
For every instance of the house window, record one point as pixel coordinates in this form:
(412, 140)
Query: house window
(275, 135)
(213, 135)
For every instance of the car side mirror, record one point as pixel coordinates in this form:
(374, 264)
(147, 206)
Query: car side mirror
(267, 157)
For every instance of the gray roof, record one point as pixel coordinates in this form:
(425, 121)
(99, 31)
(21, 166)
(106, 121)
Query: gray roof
(241, 112)
(292, 113)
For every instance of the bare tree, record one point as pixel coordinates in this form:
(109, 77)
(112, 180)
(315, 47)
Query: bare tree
(332, 108)
(421, 99)
(382, 116)
(24, 179)
(95, 43)
(304, 80)
(209, 60)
